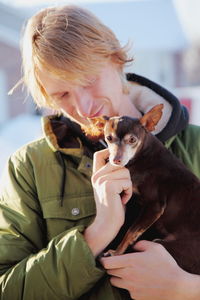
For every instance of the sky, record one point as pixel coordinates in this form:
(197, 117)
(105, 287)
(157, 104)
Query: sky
(188, 11)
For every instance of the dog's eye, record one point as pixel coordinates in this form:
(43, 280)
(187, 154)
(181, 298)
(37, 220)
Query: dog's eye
(109, 138)
(132, 140)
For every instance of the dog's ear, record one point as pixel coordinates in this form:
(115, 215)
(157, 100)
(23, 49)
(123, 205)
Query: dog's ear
(152, 117)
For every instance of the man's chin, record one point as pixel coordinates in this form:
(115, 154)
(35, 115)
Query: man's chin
(92, 133)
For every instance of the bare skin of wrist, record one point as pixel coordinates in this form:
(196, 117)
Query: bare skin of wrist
(96, 238)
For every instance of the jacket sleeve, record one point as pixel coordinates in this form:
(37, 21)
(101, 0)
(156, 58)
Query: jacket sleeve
(186, 146)
(31, 267)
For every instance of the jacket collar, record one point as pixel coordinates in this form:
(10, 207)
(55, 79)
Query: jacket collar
(66, 136)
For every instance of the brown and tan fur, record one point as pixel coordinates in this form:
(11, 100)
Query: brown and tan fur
(168, 192)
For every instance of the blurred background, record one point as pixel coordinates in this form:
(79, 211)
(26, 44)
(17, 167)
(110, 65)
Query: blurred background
(165, 39)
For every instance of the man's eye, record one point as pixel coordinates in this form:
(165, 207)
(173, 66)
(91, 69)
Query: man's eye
(64, 95)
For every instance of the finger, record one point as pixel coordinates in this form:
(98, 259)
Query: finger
(103, 175)
(109, 169)
(118, 282)
(144, 245)
(118, 272)
(121, 187)
(127, 192)
(99, 160)
(115, 262)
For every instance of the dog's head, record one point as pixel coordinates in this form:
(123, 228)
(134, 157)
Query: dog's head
(124, 135)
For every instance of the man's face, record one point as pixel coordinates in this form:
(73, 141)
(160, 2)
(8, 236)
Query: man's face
(101, 96)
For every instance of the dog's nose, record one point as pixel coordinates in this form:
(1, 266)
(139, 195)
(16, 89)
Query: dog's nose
(117, 161)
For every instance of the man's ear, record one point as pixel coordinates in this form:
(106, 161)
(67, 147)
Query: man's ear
(152, 117)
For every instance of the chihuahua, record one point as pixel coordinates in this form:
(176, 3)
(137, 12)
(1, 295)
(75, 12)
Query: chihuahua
(168, 192)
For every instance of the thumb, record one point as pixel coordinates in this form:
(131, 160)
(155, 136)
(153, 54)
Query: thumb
(143, 245)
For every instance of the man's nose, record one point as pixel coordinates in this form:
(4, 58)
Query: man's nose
(83, 102)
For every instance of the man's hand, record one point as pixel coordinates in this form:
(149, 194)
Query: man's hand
(112, 190)
(151, 274)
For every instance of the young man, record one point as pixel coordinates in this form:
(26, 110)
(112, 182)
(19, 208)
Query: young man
(54, 222)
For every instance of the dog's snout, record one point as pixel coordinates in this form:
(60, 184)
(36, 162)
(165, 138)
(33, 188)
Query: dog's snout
(117, 157)
(117, 161)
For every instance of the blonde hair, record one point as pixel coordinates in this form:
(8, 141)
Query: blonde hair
(69, 42)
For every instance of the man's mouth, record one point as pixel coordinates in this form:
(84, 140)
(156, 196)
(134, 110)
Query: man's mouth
(98, 113)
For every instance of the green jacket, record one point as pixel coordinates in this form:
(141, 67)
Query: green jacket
(43, 254)
(46, 201)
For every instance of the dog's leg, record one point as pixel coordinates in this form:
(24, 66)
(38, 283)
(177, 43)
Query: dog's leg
(150, 215)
